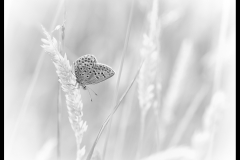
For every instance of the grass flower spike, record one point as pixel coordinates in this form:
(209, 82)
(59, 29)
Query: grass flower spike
(148, 86)
(147, 76)
(73, 96)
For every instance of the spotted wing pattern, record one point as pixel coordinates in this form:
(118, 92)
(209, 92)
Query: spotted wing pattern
(88, 71)
(100, 73)
(82, 66)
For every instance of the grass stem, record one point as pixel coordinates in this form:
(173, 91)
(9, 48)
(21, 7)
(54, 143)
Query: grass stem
(119, 75)
(188, 116)
(111, 114)
(59, 103)
(140, 141)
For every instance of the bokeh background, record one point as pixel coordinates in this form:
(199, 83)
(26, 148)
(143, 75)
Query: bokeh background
(193, 114)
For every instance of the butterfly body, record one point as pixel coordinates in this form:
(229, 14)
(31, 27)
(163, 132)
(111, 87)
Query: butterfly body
(89, 71)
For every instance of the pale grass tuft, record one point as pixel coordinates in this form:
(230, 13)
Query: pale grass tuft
(202, 140)
(148, 84)
(72, 93)
(180, 71)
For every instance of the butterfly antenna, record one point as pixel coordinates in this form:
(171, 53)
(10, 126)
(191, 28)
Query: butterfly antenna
(89, 95)
(92, 91)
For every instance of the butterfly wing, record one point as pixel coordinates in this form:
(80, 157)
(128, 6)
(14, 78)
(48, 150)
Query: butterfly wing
(83, 66)
(99, 73)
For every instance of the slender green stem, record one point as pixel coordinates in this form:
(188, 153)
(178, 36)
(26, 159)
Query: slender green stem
(61, 49)
(58, 121)
(188, 116)
(111, 114)
(119, 75)
(157, 130)
(124, 119)
(224, 27)
(142, 126)
(114, 110)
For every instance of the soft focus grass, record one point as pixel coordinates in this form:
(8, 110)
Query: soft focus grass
(99, 28)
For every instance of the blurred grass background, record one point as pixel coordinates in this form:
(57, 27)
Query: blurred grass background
(197, 50)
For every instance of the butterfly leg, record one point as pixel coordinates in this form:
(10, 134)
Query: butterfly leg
(72, 74)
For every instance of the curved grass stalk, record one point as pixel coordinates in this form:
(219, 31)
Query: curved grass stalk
(59, 103)
(124, 120)
(188, 116)
(73, 96)
(112, 113)
(119, 75)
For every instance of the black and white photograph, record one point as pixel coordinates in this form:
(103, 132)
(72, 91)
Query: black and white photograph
(119, 80)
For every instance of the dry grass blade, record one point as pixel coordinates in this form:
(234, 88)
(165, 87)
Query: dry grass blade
(120, 72)
(195, 104)
(59, 102)
(111, 114)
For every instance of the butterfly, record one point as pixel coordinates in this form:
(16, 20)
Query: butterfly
(89, 71)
